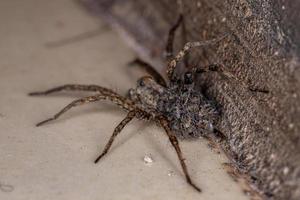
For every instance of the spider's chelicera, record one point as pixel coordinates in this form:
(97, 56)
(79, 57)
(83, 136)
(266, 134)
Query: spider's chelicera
(174, 104)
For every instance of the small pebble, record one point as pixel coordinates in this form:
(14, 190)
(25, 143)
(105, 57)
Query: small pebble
(170, 173)
(148, 159)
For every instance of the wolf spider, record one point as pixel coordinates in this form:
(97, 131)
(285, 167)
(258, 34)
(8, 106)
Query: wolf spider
(174, 104)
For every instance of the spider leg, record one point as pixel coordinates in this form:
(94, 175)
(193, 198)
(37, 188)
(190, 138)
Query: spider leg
(187, 47)
(170, 42)
(175, 143)
(261, 90)
(220, 69)
(117, 130)
(210, 68)
(74, 87)
(171, 35)
(151, 70)
(117, 99)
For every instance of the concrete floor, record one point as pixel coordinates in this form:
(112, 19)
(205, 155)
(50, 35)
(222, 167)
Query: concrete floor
(55, 161)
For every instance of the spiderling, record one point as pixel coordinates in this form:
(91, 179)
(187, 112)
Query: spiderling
(174, 104)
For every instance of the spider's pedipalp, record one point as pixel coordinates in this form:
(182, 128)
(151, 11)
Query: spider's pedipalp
(115, 98)
(174, 141)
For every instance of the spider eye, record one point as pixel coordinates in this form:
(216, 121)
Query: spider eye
(188, 78)
(141, 82)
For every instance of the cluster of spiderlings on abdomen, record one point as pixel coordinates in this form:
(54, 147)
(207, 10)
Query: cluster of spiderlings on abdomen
(190, 114)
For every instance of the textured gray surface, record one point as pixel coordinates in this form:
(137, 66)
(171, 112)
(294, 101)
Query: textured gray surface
(262, 52)
(55, 161)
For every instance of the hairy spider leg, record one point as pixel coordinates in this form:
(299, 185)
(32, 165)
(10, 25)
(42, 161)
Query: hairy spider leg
(261, 90)
(169, 54)
(171, 35)
(151, 70)
(220, 69)
(175, 143)
(187, 47)
(74, 87)
(209, 68)
(184, 34)
(115, 98)
(117, 130)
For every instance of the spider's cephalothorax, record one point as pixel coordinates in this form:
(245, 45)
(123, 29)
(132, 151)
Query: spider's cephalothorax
(174, 104)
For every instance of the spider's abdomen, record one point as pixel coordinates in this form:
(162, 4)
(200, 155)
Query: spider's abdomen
(189, 113)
